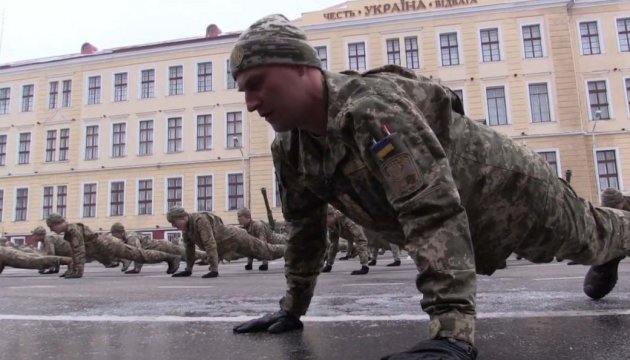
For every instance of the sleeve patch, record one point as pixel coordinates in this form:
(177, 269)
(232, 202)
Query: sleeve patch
(401, 174)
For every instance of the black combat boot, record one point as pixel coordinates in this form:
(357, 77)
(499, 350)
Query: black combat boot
(395, 263)
(248, 267)
(263, 267)
(327, 268)
(372, 262)
(364, 270)
(601, 279)
(132, 271)
(173, 264)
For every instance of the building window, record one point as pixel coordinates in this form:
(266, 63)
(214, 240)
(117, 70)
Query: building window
(146, 137)
(24, 155)
(607, 169)
(412, 53)
(234, 129)
(52, 94)
(230, 83)
(94, 90)
(173, 192)
(393, 51)
(145, 197)
(176, 80)
(204, 77)
(47, 207)
(64, 144)
(590, 38)
(174, 135)
(204, 132)
(3, 150)
(66, 92)
(27, 98)
(236, 192)
(5, 98)
(91, 142)
(449, 49)
(490, 45)
(497, 109)
(1, 203)
(356, 56)
(147, 84)
(119, 136)
(21, 204)
(62, 196)
(322, 53)
(204, 193)
(532, 41)
(120, 87)
(173, 236)
(598, 100)
(89, 200)
(460, 95)
(551, 159)
(117, 199)
(539, 102)
(623, 32)
(51, 145)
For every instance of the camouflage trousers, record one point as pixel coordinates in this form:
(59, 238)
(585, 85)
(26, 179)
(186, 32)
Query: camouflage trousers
(233, 240)
(395, 252)
(278, 239)
(106, 249)
(166, 247)
(359, 246)
(23, 260)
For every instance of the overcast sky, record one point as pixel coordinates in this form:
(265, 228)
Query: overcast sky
(34, 29)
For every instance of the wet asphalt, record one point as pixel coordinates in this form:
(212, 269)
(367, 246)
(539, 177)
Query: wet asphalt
(527, 311)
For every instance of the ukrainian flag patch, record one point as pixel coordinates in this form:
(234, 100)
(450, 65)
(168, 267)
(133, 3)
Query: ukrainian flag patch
(383, 148)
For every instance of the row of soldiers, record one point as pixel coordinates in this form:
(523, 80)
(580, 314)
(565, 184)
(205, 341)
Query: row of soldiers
(206, 239)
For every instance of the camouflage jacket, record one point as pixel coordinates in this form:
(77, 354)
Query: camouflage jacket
(79, 236)
(136, 239)
(56, 245)
(346, 229)
(397, 159)
(201, 231)
(260, 230)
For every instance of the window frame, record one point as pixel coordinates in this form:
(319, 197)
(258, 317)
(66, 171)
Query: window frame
(82, 200)
(138, 200)
(151, 143)
(227, 188)
(166, 191)
(15, 203)
(212, 192)
(110, 197)
(591, 116)
(618, 162)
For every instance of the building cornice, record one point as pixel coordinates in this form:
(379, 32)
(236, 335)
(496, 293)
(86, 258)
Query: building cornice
(441, 14)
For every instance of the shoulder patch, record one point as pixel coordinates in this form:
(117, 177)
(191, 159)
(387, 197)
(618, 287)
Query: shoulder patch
(401, 174)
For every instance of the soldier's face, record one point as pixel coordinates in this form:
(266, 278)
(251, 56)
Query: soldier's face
(60, 228)
(243, 220)
(118, 234)
(181, 223)
(277, 93)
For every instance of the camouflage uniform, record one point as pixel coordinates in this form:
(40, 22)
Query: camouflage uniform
(259, 230)
(106, 248)
(376, 242)
(207, 231)
(146, 243)
(399, 157)
(24, 260)
(350, 231)
(443, 185)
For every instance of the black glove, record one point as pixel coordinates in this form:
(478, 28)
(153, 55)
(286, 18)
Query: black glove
(182, 273)
(275, 323)
(437, 349)
(211, 274)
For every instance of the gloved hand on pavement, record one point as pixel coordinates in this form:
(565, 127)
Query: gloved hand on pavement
(437, 349)
(275, 323)
(182, 273)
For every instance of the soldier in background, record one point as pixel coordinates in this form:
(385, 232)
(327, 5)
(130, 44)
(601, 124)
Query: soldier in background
(146, 243)
(207, 231)
(84, 242)
(376, 242)
(52, 244)
(340, 226)
(24, 260)
(257, 229)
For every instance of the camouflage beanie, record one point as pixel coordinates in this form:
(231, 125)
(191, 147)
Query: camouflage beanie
(175, 213)
(39, 231)
(117, 227)
(272, 40)
(611, 197)
(54, 219)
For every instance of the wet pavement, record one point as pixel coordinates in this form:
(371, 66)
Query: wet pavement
(529, 312)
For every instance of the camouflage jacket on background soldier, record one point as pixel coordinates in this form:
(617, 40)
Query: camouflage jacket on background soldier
(200, 231)
(80, 237)
(56, 245)
(260, 230)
